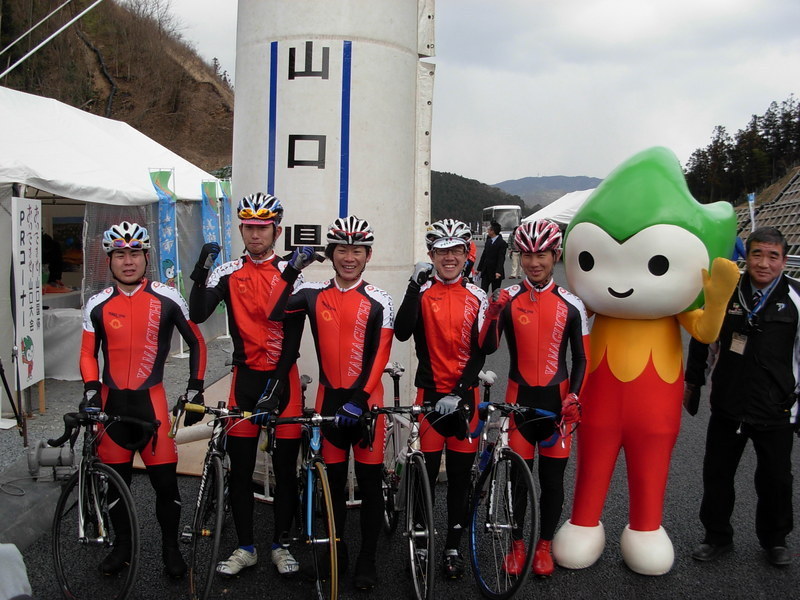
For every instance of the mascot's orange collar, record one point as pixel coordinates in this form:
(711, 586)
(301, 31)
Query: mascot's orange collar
(629, 344)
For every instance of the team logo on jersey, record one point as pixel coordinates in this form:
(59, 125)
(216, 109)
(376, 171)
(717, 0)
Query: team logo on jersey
(435, 307)
(115, 324)
(326, 315)
(523, 319)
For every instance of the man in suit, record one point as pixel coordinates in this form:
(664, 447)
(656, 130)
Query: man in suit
(491, 264)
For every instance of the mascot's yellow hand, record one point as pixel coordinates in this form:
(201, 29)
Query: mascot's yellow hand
(704, 324)
(718, 287)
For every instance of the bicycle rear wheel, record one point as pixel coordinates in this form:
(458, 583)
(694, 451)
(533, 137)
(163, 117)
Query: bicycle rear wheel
(206, 530)
(504, 508)
(77, 557)
(391, 516)
(320, 532)
(420, 527)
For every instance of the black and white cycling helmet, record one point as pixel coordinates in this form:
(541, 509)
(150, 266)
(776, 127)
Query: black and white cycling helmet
(260, 209)
(538, 236)
(447, 233)
(126, 235)
(351, 231)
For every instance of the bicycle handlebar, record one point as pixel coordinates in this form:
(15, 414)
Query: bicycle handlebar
(75, 420)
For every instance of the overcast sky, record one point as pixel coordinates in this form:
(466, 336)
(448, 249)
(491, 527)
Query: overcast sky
(574, 87)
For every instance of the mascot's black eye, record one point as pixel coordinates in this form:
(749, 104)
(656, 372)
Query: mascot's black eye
(658, 265)
(586, 260)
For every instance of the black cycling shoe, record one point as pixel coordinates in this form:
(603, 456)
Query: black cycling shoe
(452, 564)
(366, 575)
(117, 559)
(174, 565)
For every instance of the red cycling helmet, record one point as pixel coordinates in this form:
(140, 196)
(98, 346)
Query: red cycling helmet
(538, 236)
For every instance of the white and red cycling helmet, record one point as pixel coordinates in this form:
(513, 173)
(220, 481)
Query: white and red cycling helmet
(350, 231)
(447, 233)
(126, 235)
(538, 236)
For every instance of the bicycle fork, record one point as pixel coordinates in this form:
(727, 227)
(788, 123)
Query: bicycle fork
(83, 510)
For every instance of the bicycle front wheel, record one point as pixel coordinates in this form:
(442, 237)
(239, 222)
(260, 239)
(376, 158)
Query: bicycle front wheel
(420, 527)
(391, 515)
(504, 510)
(321, 532)
(207, 529)
(84, 534)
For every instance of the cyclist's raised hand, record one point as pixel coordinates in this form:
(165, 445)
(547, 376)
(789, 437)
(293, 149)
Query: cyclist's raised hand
(421, 273)
(208, 254)
(499, 300)
(570, 410)
(302, 257)
(193, 397)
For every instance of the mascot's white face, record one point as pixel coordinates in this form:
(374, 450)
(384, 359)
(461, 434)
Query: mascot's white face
(655, 273)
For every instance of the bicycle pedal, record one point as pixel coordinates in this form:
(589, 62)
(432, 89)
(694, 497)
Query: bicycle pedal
(186, 535)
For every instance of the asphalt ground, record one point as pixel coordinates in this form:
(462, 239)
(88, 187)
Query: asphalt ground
(743, 573)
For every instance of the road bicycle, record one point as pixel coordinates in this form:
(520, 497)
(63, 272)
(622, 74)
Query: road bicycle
(406, 486)
(316, 523)
(205, 532)
(83, 532)
(504, 499)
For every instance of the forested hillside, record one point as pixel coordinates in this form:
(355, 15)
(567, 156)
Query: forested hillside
(456, 197)
(730, 167)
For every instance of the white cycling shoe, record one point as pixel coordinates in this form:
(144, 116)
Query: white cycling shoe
(284, 561)
(240, 559)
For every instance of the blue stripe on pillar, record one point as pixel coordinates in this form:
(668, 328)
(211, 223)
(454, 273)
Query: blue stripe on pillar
(344, 168)
(273, 115)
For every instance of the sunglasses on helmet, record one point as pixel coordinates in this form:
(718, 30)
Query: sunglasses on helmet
(133, 244)
(261, 213)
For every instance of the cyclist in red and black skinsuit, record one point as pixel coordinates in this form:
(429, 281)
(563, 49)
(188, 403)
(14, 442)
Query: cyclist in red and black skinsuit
(445, 315)
(264, 357)
(540, 319)
(352, 325)
(132, 324)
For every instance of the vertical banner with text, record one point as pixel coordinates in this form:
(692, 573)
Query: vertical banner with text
(168, 267)
(26, 251)
(227, 209)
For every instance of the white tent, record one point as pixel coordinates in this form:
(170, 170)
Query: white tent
(73, 154)
(92, 169)
(561, 210)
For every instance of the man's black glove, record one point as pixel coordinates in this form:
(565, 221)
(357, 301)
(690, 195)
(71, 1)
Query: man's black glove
(91, 397)
(208, 254)
(190, 417)
(269, 402)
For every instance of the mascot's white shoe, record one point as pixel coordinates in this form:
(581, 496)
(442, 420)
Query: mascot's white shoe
(647, 552)
(577, 547)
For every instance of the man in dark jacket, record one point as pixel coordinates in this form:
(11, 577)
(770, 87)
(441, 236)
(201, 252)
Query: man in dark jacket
(753, 396)
(492, 262)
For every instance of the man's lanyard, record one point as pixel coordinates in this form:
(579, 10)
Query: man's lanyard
(760, 304)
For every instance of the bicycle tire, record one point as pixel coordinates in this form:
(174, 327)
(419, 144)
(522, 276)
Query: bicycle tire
(209, 516)
(420, 527)
(321, 533)
(493, 520)
(76, 561)
(391, 516)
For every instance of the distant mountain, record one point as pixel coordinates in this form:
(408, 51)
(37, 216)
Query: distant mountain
(457, 197)
(544, 190)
